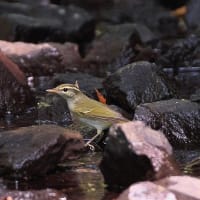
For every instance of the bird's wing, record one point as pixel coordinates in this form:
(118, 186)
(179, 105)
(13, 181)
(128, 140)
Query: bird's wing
(99, 111)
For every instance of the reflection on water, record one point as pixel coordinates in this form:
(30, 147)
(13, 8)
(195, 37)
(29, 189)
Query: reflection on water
(79, 180)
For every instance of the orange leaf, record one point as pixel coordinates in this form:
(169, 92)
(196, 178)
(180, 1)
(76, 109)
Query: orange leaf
(181, 11)
(100, 97)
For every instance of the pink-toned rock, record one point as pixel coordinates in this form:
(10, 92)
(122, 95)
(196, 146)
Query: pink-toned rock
(42, 59)
(185, 187)
(12, 68)
(47, 194)
(71, 58)
(135, 152)
(171, 188)
(147, 191)
(15, 96)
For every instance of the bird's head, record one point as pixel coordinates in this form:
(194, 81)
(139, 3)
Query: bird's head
(67, 91)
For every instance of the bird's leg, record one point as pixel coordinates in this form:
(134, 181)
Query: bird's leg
(92, 139)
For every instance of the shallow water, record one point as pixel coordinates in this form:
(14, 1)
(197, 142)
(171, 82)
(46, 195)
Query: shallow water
(78, 180)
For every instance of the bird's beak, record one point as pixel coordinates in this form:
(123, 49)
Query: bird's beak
(53, 90)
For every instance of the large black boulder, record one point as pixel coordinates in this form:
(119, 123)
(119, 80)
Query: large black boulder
(35, 150)
(137, 83)
(178, 119)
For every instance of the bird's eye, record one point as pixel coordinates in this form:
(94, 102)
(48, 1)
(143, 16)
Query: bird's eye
(65, 89)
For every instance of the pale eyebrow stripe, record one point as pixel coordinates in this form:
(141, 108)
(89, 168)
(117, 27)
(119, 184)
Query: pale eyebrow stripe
(69, 87)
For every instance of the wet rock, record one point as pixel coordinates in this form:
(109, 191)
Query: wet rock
(68, 24)
(42, 59)
(134, 153)
(184, 187)
(19, 27)
(87, 3)
(53, 109)
(173, 188)
(15, 96)
(78, 24)
(183, 52)
(195, 96)
(35, 150)
(101, 54)
(193, 14)
(113, 15)
(87, 82)
(137, 83)
(189, 161)
(46, 194)
(178, 119)
(147, 190)
(188, 82)
(170, 4)
(70, 56)
(169, 26)
(124, 10)
(14, 7)
(151, 9)
(133, 53)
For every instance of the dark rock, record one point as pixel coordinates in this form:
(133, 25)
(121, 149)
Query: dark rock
(135, 153)
(78, 24)
(186, 156)
(47, 194)
(180, 53)
(137, 83)
(195, 96)
(18, 27)
(43, 59)
(151, 10)
(174, 188)
(35, 150)
(92, 4)
(124, 10)
(53, 109)
(36, 24)
(15, 7)
(133, 53)
(178, 119)
(15, 96)
(46, 11)
(169, 26)
(193, 14)
(189, 161)
(105, 49)
(171, 4)
(188, 83)
(87, 83)
(113, 15)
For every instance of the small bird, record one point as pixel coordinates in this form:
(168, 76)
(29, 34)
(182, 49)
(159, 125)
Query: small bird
(88, 110)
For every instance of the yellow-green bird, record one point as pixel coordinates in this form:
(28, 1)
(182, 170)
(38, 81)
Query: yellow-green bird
(88, 110)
